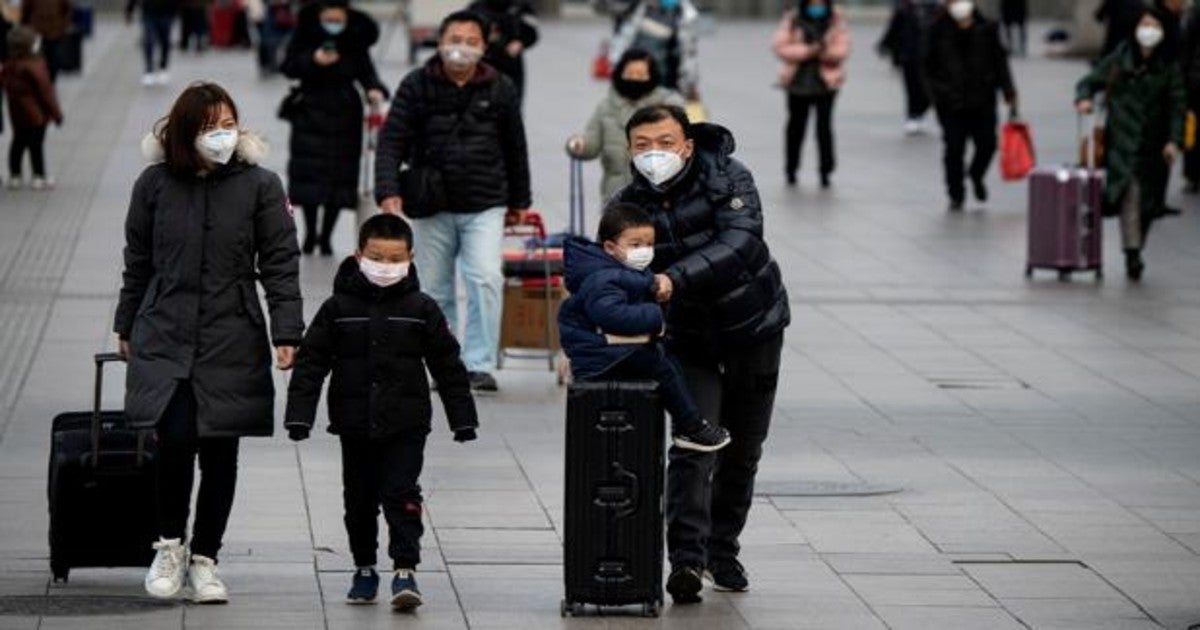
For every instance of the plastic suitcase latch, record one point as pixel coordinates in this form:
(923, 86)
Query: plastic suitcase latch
(610, 571)
(612, 495)
(614, 420)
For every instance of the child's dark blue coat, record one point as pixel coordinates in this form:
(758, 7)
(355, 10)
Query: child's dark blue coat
(607, 298)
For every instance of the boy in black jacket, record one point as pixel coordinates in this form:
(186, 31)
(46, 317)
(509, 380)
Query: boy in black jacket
(377, 334)
(611, 326)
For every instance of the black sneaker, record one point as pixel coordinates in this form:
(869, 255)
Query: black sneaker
(364, 587)
(705, 438)
(979, 188)
(684, 585)
(728, 576)
(483, 382)
(405, 595)
(956, 205)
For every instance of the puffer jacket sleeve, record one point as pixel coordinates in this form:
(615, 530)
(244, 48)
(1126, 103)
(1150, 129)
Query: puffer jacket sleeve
(606, 303)
(397, 137)
(139, 253)
(313, 363)
(1099, 77)
(788, 47)
(593, 134)
(278, 261)
(442, 358)
(516, 151)
(737, 246)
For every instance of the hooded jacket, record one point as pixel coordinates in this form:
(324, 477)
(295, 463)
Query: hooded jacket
(792, 46)
(32, 100)
(610, 307)
(708, 223)
(195, 245)
(604, 136)
(473, 134)
(377, 342)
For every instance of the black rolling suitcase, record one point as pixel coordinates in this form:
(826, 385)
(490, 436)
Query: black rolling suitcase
(70, 52)
(613, 520)
(100, 489)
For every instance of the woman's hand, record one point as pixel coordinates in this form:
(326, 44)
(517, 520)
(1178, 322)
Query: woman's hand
(325, 57)
(285, 357)
(1084, 107)
(375, 97)
(663, 288)
(123, 349)
(575, 145)
(1169, 153)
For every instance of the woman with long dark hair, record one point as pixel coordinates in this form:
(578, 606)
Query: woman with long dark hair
(204, 223)
(813, 41)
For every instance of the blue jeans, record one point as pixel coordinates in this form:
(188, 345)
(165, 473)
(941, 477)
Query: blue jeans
(156, 30)
(470, 244)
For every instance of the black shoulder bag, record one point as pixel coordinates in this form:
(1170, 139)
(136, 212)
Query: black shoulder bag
(421, 183)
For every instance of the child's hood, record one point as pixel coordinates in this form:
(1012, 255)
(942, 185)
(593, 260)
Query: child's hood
(350, 281)
(582, 258)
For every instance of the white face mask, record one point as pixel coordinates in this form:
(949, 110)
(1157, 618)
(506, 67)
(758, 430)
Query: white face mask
(638, 258)
(460, 55)
(658, 166)
(1149, 36)
(960, 10)
(217, 146)
(382, 274)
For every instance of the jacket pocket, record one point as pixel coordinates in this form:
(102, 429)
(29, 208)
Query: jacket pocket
(251, 305)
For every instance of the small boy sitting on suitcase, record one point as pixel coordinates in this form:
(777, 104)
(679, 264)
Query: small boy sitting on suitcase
(377, 335)
(611, 327)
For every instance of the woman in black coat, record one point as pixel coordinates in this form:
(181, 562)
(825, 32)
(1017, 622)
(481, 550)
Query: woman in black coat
(330, 55)
(204, 223)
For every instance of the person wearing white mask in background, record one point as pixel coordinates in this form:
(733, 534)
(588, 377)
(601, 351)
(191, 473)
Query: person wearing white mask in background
(612, 327)
(728, 309)
(377, 335)
(1146, 104)
(966, 65)
(452, 158)
(204, 223)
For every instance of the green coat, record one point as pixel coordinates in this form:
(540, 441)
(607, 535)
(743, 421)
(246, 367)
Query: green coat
(605, 138)
(1146, 109)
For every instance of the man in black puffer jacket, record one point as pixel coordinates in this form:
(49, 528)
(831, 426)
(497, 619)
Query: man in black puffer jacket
(455, 125)
(727, 312)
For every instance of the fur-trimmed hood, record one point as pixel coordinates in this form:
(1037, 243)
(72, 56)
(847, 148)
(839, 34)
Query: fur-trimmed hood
(251, 148)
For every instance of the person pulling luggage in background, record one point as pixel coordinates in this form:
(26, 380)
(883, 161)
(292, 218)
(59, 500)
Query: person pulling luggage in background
(728, 310)
(1146, 108)
(966, 65)
(611, 326)
(377, 335)
(204, 222)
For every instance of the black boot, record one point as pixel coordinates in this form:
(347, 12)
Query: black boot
(1134, 265)
(310, 229)
(327, 222)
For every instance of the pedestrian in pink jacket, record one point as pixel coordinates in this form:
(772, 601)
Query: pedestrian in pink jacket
(813, 41)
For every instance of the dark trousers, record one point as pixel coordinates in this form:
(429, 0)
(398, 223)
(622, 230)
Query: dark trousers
(1015, 37)
(31, 139)
(193, 26)
(269, 39)
(52, 52)
(329, 220)
(976, 125)
(178, 447)
(652, 361)
(915, 90)
(709, 494)
(383, 471)
(797, 126)
(156, 32)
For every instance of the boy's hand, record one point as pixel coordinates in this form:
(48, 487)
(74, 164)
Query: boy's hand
(464, 435)
(298, 434)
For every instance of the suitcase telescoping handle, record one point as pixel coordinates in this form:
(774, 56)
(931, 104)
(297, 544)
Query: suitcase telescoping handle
(575, 221)
(101, 359)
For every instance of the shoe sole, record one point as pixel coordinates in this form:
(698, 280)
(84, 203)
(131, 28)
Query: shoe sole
(685, 588)
(703, 448)
(360, 602)
(210, 601)
(406, 600)
(171, 595)
(721, 588)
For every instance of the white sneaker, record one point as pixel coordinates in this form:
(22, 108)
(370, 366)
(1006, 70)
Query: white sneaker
(42, 183)
(207, 587)
(148, 79)
(15, 183)
(165, 577)
(163, 77)
(913, 126)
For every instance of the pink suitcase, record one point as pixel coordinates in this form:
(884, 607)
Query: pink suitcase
(1065, 220)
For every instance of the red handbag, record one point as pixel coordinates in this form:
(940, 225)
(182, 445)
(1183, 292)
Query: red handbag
(601, 68)
(1016, 151)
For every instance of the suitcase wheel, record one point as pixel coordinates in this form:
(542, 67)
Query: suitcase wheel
(650, 609)
(568, 609)
(1028, 271)
(1064, 275)
(61, 573)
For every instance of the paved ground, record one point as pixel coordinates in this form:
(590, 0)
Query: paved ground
(1046, 436)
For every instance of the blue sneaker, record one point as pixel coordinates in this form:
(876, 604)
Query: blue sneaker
(405, 595)
(364, 587)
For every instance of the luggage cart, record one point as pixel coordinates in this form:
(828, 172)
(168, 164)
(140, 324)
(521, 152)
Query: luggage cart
(532, 274)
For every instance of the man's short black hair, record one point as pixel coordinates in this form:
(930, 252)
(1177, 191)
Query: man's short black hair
(465, 16)
(388, 227)
(619, 217)
(651, 114)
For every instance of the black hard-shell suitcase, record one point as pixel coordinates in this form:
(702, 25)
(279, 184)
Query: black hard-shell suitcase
(70, 52)
(613, 520)
(100, 489)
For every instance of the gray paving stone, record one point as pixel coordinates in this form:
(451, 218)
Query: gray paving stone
(919, 590)
(921, 617)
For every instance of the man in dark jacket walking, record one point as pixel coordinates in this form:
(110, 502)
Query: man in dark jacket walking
(455, 126)
(966, 65)
(905, 40)
(728, 310)
(514, 29)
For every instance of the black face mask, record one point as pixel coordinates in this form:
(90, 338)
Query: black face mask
(632, 90)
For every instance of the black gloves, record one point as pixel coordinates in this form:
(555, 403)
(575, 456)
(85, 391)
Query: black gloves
(297, 434)
(464, 435)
